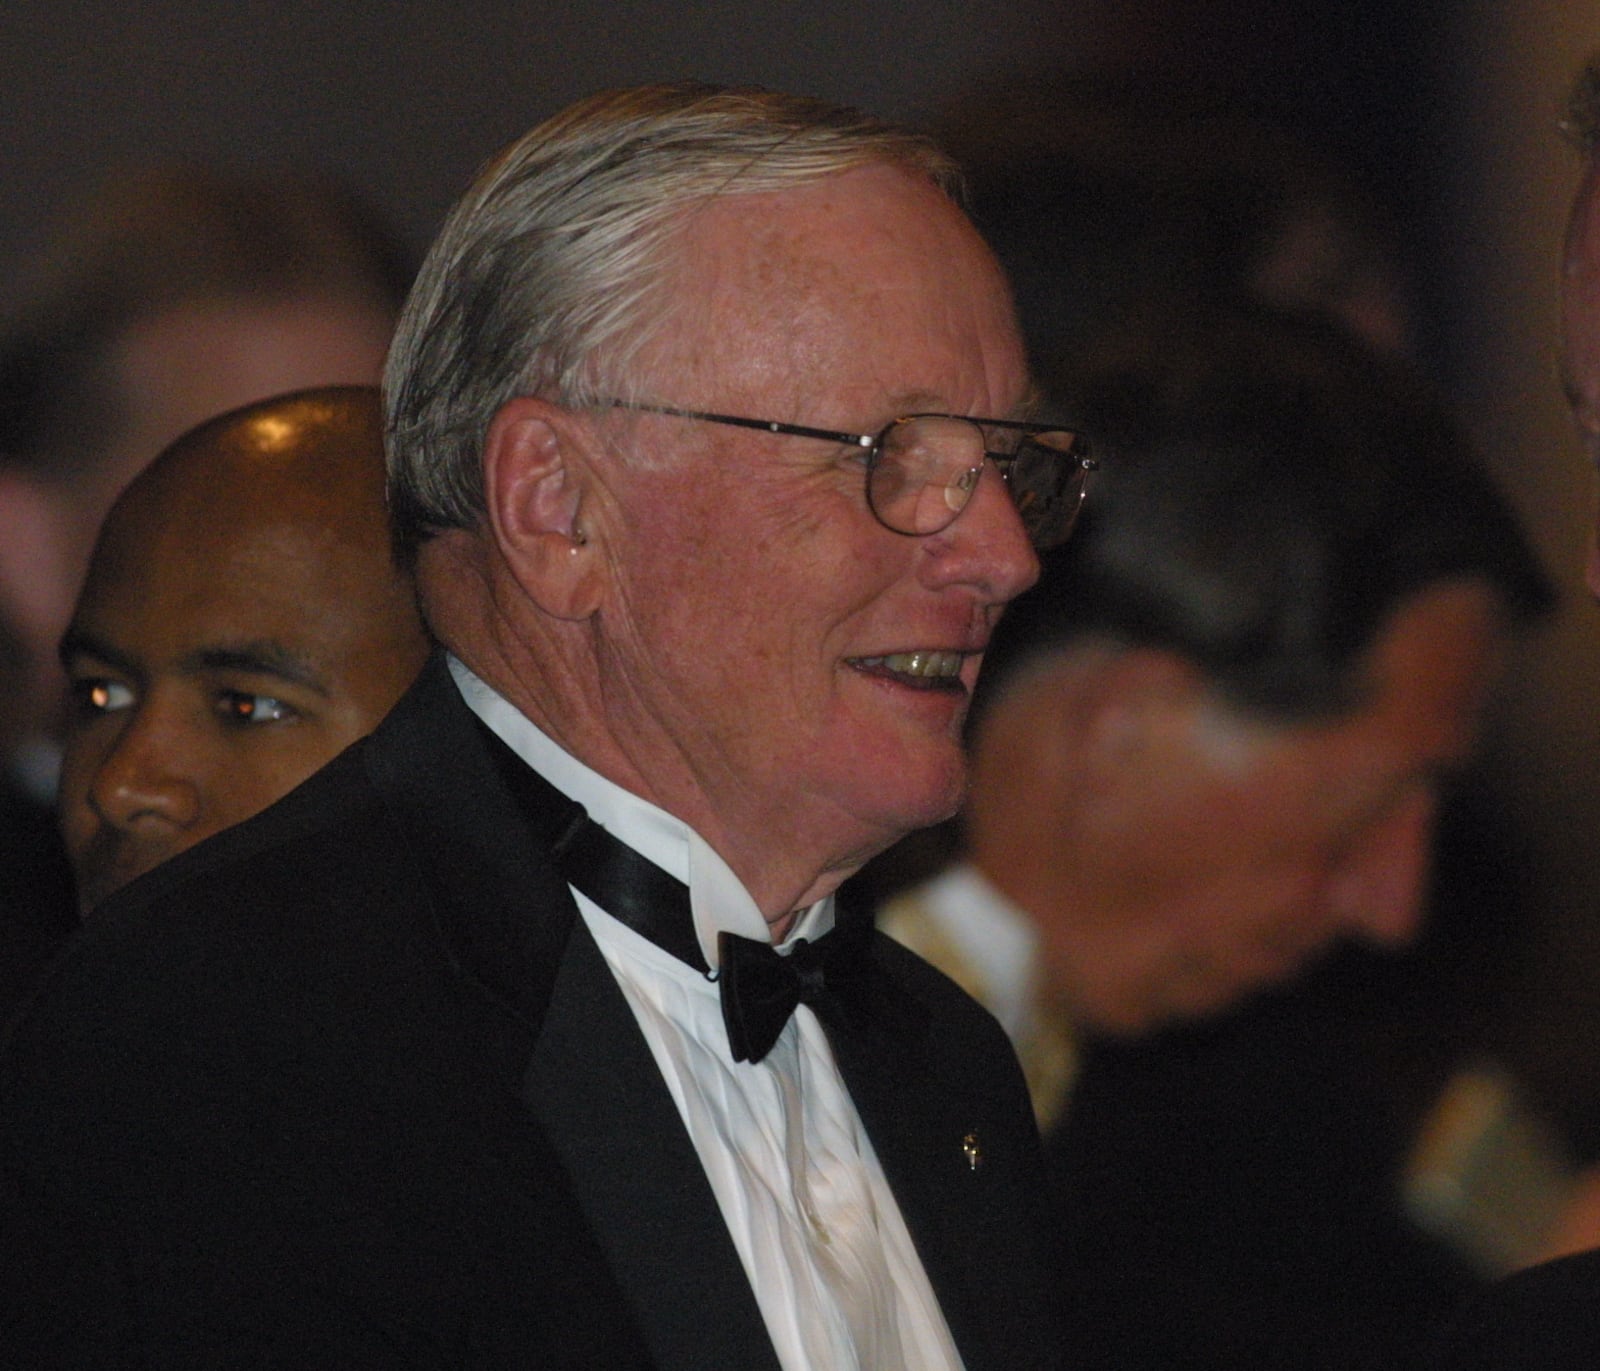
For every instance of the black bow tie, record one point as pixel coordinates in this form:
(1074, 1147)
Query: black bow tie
(759, 987)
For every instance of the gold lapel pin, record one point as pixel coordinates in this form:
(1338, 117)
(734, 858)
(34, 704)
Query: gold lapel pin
(972, 1151)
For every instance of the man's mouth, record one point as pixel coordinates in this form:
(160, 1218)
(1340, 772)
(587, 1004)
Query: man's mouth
(929, 669)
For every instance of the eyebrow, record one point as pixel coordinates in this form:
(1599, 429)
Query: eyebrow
(1027, 405)
(77, 643)
(260, 656)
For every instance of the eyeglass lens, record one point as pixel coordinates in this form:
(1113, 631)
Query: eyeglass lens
(926, 468)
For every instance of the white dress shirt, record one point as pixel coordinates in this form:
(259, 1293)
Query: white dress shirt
(834, 1273)
(993, 942)
(967, 928)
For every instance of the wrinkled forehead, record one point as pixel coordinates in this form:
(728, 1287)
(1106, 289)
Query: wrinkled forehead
(870, 279)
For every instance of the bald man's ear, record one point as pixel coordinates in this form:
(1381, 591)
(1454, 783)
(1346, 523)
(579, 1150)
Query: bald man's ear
(533, 480)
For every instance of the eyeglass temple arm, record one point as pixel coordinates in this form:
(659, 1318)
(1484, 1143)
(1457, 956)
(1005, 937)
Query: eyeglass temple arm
(828, 435)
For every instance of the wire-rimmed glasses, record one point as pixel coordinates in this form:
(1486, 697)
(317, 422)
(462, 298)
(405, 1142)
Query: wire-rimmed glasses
(923, 468)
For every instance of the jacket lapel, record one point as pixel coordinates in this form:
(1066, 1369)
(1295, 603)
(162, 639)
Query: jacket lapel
(960, 1168)
(481, 823)
(503, 911)
(596, 1086)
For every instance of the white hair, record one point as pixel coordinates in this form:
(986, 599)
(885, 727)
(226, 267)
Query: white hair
(544, 275)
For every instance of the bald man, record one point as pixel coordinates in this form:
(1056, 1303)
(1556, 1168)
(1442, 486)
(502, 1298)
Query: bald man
(242, 622)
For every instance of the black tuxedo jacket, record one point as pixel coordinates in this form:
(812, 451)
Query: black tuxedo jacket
(38, 910)
(351, 1085)
(1544, 1319)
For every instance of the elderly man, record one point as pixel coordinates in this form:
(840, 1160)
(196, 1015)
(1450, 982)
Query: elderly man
(479, 1049)
(1549, 1318)
(216, 662)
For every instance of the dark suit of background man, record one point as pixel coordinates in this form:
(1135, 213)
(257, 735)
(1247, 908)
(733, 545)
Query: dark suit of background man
(368, 1080)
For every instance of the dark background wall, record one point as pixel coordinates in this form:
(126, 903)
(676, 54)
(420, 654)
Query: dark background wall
(404, 98)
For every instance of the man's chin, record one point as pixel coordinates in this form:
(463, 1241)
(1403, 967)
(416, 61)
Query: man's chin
(934, 778)
(926, 809)
(887, 790)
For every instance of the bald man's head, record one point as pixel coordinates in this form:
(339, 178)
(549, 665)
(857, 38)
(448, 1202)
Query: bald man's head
(242, 622)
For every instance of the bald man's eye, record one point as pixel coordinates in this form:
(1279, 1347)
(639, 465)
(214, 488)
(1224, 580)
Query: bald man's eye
(241, 708)
(94, 695)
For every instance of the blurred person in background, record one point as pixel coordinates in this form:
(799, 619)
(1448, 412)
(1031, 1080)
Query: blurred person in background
(1211, 744)
(242, 622)
(1548, 1319)
(1134, 207)
(173, 295)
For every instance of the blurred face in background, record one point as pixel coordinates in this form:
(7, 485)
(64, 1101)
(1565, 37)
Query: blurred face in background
(1207, 855)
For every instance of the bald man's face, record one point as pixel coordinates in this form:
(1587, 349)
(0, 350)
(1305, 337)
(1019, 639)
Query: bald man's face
(229, 641)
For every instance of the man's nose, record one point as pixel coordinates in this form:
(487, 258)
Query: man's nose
(985, 545)
(1377, 892)
(147, 780)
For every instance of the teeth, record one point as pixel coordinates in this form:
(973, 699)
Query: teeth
(933, 664)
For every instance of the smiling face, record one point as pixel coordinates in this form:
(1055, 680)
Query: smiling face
(1223, 855)
(758, 641)
(240, 625)
(1580, 298)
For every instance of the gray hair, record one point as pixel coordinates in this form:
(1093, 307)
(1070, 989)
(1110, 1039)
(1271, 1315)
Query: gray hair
(1581, 121)
(542, 279)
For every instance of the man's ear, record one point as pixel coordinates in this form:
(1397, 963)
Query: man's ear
(533, 482)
